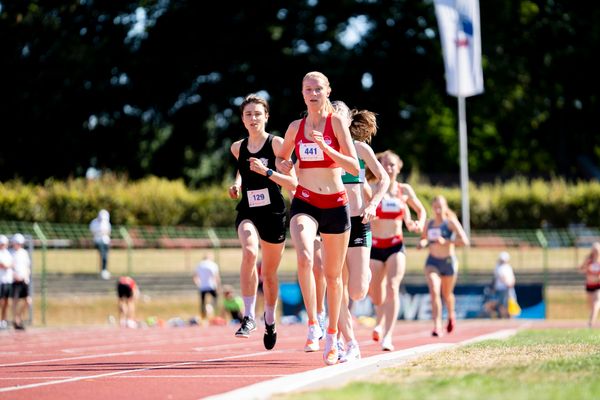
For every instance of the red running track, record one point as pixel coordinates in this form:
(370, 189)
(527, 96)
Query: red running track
(181, 363)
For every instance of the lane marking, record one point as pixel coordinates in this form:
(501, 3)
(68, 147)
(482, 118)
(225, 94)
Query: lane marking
(116, 373)
(236, 376)
(126, 353)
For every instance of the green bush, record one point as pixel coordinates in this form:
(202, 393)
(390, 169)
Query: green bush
(516, 204)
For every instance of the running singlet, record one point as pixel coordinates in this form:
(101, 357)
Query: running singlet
(390, 208)
(435, 232)
(258, 191)
(592, 277)
(349, 178)
(593, 270)
(127, 281)
(309, 153)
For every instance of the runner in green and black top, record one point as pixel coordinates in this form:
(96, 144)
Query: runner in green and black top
(261, 215)
(363, 203)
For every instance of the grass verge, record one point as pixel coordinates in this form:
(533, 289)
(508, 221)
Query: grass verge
(534, 364)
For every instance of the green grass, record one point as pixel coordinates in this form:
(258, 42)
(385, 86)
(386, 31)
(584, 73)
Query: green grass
(534, 364)
(95, 310)
(184, 260)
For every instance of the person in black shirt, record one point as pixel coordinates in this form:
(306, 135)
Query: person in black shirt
(261, 218)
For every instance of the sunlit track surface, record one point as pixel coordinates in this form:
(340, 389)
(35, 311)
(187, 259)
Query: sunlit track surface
(185, 362)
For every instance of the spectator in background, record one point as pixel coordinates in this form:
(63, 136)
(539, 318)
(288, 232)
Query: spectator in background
(21, 279)
(208, 280)
(233, 304)
(504, 283)
(128, 292)
(101, 229)
(6, 279)
(591, 268)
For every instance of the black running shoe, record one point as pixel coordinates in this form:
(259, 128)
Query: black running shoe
(270, 337)
(248, 325)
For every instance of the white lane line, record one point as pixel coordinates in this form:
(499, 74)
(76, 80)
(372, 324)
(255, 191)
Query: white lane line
(290, 383)
(125, 353)
(116, 373)
(499, 335)
(236, 376)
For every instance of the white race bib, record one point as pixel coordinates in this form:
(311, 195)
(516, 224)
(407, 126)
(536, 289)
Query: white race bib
(311, 152)
(390, 205)
(258, 198)
(434, 234)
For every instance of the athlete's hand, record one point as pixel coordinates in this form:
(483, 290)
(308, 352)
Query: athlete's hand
(412, 226)
(285, 166)
(317, 137)
(368, 213)
(257, 166)
(234, 192)
(418, 227)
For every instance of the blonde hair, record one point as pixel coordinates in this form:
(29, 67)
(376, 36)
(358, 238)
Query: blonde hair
(379, 156)
(321, 77)
(342, 109)
(448, 212)
(595, 252)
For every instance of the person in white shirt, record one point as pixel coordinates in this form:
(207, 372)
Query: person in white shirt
(504, 283)
(21, 279)
(208, 281)
(101, 229)
(6, 279)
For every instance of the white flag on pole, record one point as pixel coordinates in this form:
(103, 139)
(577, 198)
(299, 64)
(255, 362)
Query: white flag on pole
(458, 22)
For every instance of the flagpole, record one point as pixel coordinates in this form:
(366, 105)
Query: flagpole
(458, 21)
(464, 165)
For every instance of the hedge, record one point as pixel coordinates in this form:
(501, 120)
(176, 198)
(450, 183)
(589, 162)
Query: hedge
(519, 203)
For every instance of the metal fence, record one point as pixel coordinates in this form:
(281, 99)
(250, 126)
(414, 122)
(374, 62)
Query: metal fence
(68, 249)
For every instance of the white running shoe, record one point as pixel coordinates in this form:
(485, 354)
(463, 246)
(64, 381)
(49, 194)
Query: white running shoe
(312, 339)
(322, 319)
(386, 344)
(105, 274)
(352, 352)
(330, 355)
(341, 349)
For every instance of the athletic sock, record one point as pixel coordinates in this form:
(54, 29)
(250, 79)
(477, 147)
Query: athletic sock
(269, 314)
(249, 306)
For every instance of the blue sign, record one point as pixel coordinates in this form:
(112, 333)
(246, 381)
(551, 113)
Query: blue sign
(415, 303)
